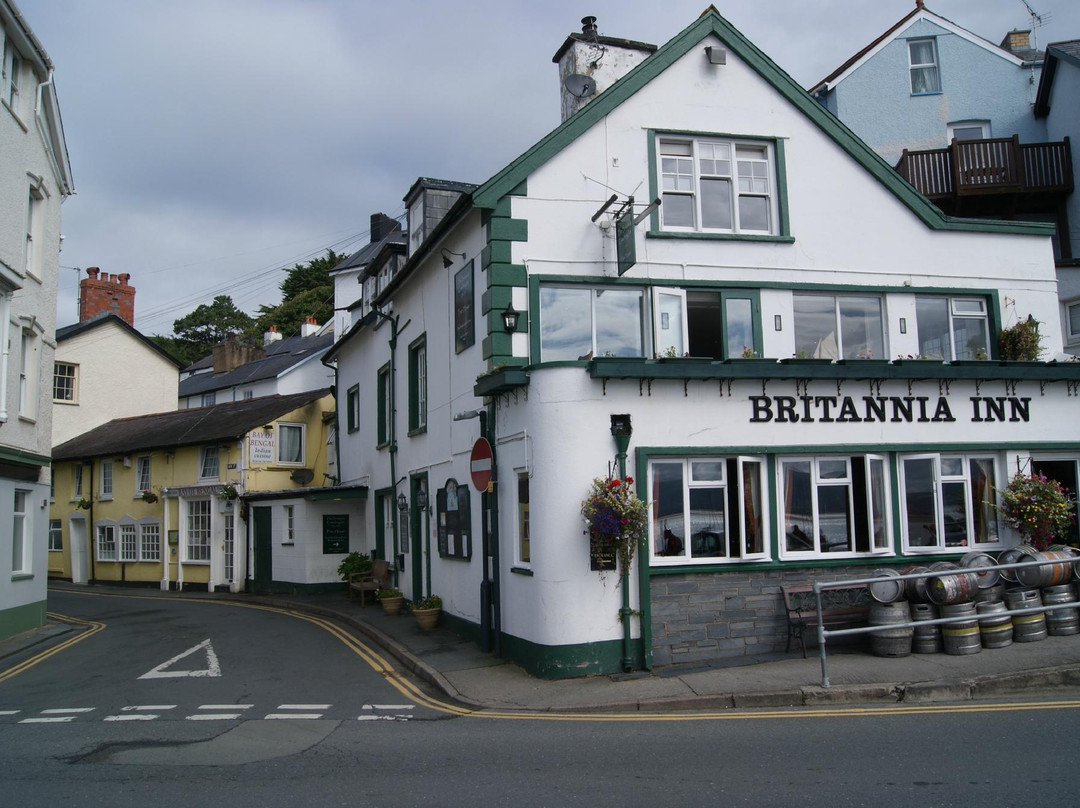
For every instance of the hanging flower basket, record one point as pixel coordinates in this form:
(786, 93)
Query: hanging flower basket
(616, 522)
(149, 496)
(1039, 509)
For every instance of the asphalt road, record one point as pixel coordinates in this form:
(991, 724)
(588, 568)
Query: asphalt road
(360, 734)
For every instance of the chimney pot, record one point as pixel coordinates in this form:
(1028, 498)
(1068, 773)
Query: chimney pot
(92, 272)
(588, 26)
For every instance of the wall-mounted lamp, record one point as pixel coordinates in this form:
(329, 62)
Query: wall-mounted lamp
(510, 319)
(716, 55)
(446, 261)
(778, 323)
(421, 498)
(402, 503)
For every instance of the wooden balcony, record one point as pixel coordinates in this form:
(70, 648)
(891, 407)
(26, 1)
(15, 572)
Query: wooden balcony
(1030, 176)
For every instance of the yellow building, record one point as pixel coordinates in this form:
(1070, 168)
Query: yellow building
(226, 497)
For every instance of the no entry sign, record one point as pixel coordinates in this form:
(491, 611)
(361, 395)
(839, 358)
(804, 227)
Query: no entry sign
(480, 464)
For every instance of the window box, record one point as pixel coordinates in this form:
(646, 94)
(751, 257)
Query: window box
(805, 360)
(504, 380)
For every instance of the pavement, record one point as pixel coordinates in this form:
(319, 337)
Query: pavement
(1049, 668)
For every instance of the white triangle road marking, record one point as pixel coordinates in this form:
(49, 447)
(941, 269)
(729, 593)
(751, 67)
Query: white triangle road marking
(213, 667)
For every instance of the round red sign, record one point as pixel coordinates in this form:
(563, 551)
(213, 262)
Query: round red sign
(480, 464)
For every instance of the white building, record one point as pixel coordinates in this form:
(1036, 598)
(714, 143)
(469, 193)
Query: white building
(760, 330)
(35, 178)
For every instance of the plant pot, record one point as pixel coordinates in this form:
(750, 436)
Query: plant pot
(392, 606)
(426, 619)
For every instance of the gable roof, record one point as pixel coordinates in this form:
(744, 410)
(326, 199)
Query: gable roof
(172, 430)
(909, 19)
(281, 356)
(1068, 52)
(712, 24)
(69, 331)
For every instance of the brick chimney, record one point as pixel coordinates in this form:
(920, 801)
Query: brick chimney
(101, 293)
(1016, 41)
(231, 354)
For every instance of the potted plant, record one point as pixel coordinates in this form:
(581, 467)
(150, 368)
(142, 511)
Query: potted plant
(149, 496)
(391, 599)
(352, 563)
(426, 611)
(83, 504)
(1038, 508)
(1021, 342)
(228, 493)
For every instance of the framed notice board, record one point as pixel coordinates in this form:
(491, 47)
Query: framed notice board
(454, 520)
(335, 533)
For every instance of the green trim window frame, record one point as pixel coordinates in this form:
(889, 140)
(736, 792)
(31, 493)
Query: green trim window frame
(718, 186)
(56, 536)
(948, 502)
(1065, 468)
(834, 506)
(65, 383)
(21, 534)
(952, 327)
(418, 386)
(708, 510)
(352, 408)
(839, 326)
(715, 323)
(580, 322)
(382, 387)
(923, 66)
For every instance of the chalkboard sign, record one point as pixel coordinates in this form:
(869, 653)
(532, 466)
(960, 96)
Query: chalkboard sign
(454, 520)
(335, 533)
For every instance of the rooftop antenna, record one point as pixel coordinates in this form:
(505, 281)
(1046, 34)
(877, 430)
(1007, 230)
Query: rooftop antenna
(1037, 21)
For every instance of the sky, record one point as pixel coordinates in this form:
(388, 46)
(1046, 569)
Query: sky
(216, 142)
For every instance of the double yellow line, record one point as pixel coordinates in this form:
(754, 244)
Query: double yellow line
(410, 691)
(92, 628)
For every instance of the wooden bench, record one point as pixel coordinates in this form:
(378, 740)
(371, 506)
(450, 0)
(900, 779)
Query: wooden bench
(378, 577)
(843, 606)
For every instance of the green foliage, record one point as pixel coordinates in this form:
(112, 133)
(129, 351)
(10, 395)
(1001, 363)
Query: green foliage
(196, 333)
(1021, 342)
(307, 291)
(430, 602)
(388, 592)
(354, 562)
(1040, 509)
(615, 519)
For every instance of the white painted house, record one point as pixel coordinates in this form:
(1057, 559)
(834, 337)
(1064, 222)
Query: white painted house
(35, 178)
(754, 330)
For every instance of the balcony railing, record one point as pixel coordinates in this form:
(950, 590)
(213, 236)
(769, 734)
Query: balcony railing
(991, 166)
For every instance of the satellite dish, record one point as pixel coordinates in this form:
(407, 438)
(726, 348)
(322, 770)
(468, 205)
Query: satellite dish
(302, 476)
(579, 86)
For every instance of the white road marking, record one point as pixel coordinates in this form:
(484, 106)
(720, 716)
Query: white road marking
(212, 716)
(132, 717)
(149, 707)
(59, 719)
(304, 706)
(301, 716)
(226, 706)
(213, 667)
(9, 712)
(382, 718)
(388, 706)
(61, 710)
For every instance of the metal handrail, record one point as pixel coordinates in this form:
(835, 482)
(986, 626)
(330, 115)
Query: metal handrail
(823, 633)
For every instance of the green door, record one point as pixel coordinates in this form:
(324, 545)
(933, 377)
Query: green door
(264, 572)
(416, 537)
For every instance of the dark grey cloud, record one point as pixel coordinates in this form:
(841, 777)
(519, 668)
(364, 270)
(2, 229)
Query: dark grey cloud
(215, 142)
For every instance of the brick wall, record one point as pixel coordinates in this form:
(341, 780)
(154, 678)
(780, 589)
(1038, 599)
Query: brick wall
(101, 293)
(716, 615)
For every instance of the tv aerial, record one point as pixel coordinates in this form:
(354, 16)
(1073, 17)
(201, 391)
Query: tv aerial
(579, 85)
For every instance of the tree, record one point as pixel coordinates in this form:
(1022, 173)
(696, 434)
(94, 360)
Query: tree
(307, 291)
(196, 334)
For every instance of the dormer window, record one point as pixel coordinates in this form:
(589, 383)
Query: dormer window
(428, 201)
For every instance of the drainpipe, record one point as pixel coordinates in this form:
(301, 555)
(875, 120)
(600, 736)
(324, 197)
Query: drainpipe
(90, 532)
(621, 431)
(5, 353)
(493, 498)
(392, 425)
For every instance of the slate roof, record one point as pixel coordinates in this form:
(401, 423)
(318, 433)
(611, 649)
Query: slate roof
(69, 331)
(280, 356)
(363, 256)
(190, 427)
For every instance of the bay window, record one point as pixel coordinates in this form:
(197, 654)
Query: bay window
(952, 327)
(106, 543)
(717, 185)
(707, 510)
(948, 502)
(834, 505)
(580, 322)
(838, 326)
